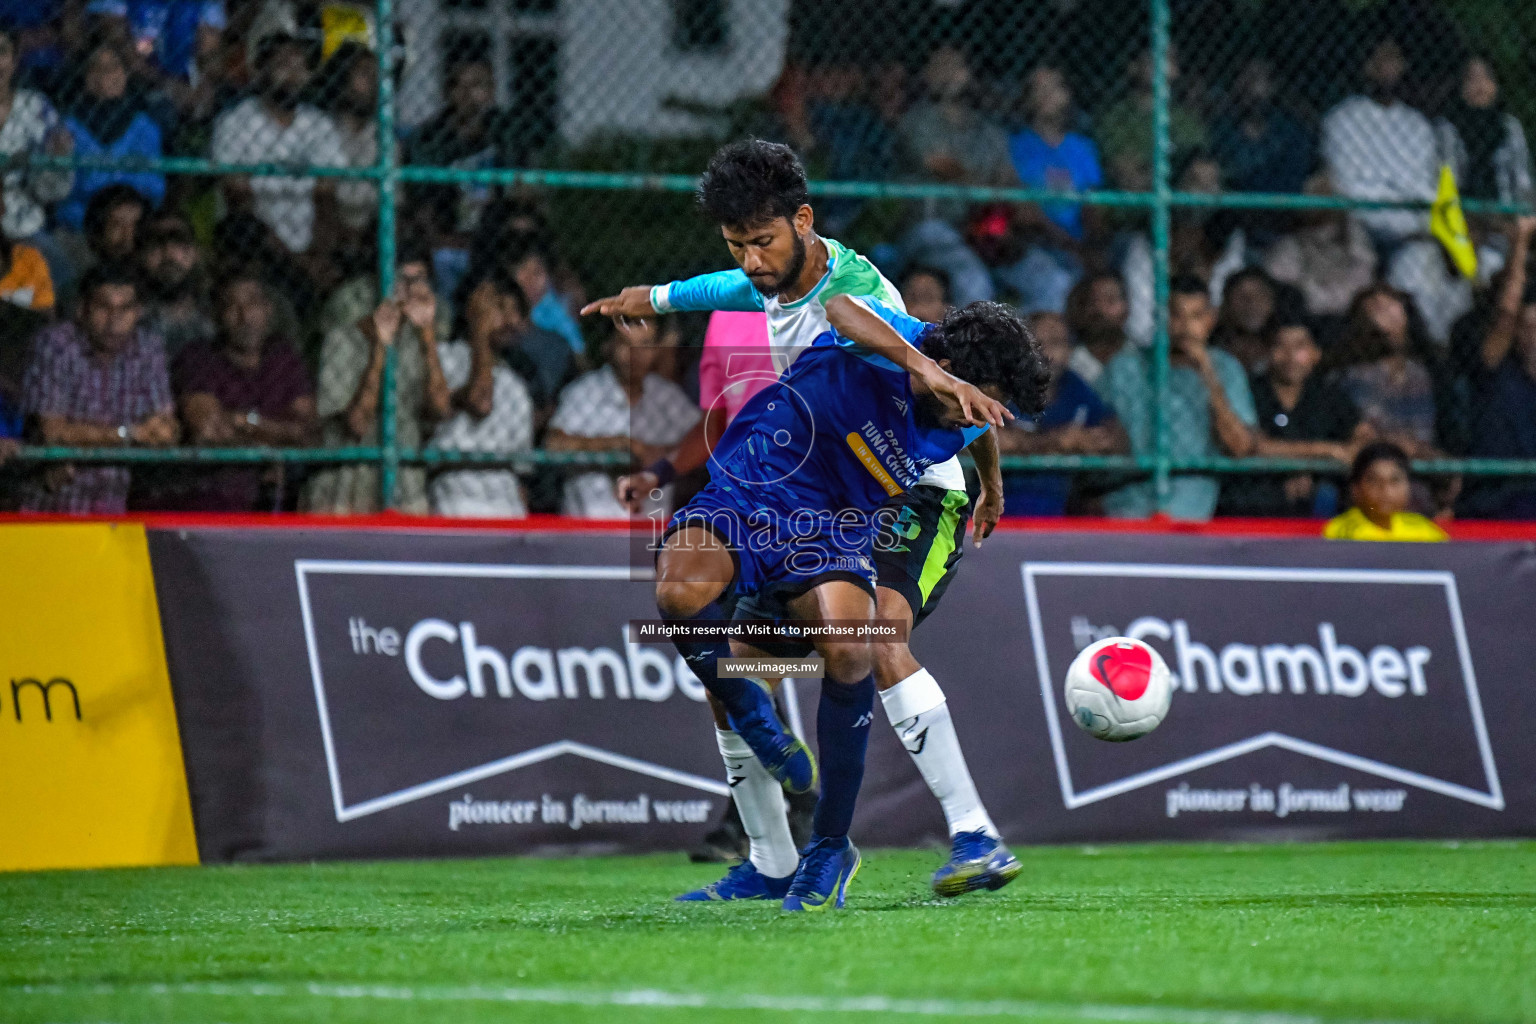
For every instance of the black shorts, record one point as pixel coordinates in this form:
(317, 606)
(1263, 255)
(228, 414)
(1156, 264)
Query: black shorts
(918, 551)
(916, 554)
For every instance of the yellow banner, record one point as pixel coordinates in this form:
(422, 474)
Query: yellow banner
(91, 773)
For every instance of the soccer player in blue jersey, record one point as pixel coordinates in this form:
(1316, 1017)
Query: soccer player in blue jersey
(790, 517)
(756, 191)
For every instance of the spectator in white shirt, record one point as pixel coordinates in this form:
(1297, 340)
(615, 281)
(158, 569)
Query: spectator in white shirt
(1485, 146)
(273, 127)
(29, 124)
(493, 409)
(1378, 147)
(621, 407)
(1329, 256)
(1482, 141)
(348, 85)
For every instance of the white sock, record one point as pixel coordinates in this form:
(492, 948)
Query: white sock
(760, 801)
(920, 716)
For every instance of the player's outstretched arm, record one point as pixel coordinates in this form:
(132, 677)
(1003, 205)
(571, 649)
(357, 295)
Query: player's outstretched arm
(989, 503)
(854, 321)
(633, 302)
(725, 289)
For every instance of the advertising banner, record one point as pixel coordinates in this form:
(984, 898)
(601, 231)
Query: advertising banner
(402, 695)
(90, 763)
(388, 693)
(1322, 689)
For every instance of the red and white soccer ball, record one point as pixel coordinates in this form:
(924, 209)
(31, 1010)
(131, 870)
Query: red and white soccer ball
(1118, 689)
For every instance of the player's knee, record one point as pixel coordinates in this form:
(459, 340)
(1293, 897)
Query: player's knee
(893, 662)
(847, 663)
(885, 665)
(677, 599)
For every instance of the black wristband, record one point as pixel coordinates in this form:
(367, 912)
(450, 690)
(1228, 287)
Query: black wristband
(663, 470)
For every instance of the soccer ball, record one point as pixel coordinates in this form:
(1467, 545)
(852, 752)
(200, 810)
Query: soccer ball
(1118, 689)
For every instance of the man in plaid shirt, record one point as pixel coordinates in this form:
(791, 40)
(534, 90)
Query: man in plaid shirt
(97, 381)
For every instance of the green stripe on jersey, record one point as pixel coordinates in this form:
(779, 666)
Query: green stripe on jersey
(855, 275)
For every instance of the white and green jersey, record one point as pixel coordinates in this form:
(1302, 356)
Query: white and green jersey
(792, 326)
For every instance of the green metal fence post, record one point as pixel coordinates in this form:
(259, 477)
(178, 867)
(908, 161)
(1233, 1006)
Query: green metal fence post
(1161, 193)
(389, 176)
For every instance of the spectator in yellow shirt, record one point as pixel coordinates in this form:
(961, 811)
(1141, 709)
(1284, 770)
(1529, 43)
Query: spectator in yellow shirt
(1378, 484)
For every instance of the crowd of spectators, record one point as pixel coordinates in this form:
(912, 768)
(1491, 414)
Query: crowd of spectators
(143, 309)
(146, 310)
(1313, 333)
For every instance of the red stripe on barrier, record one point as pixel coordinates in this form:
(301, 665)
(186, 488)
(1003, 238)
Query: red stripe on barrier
(1470, 529)
(295, 521)
(1467, 529)
(1216, 527)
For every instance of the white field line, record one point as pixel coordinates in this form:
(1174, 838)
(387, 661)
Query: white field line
(656, 999)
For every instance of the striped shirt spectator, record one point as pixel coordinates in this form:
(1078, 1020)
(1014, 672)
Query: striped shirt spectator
(99, 380)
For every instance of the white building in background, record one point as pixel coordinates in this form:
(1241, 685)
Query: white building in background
(596, 67)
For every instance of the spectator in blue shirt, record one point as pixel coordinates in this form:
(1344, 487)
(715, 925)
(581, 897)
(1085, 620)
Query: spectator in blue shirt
(108, 120)
(1048, 154)
(1261, 146)
(24, 15)
(10, 419)
(10, 430)
(34, 29)
(174, 54)
(1075, 421)
(845, 136)
(526, 254)
(172, 34)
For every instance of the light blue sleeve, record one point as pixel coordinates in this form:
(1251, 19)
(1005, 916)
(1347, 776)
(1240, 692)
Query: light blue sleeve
(972, 433)
(725, 289)
(1124, 386)
(910, 328)
(550, 313)
(1234, 381)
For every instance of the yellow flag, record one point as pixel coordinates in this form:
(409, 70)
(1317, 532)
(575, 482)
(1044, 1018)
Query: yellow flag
(1449, 225)
(340, 23)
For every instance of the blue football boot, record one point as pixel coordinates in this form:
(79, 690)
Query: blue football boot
(781, 752)
(976, 861)
(827, 867)
(742, 882)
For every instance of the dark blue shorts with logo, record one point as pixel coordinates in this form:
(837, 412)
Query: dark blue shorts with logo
(779, 555)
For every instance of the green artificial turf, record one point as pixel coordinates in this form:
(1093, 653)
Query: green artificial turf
(1208, 934)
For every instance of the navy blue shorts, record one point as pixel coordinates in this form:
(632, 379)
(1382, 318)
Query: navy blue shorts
(780, 556)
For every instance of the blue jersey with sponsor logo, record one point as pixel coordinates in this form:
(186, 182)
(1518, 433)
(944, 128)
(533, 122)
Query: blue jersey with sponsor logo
(838, 431)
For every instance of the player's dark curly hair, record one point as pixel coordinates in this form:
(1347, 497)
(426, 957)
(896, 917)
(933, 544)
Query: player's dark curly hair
(986, 343)
(752, 182)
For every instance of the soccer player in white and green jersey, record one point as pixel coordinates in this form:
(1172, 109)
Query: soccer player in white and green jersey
(756, 191)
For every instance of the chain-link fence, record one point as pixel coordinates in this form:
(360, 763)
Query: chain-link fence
(1217, 214)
